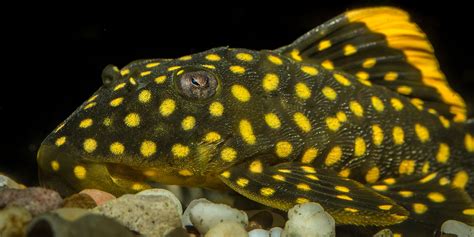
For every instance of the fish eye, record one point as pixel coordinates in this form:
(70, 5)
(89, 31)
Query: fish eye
(110, 74)
(197, 84)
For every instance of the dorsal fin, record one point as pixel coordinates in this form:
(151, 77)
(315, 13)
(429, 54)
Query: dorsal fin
(382, 45)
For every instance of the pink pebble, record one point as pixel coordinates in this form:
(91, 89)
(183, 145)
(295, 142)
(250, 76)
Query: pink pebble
(100, 197)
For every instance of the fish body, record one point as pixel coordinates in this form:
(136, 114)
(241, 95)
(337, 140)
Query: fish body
(354, 115)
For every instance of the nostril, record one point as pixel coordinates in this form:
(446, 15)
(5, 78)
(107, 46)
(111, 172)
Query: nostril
(110, 74)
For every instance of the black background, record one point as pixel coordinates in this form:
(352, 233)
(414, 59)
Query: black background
(53, 55)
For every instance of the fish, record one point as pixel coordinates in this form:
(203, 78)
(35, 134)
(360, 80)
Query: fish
(355, 115)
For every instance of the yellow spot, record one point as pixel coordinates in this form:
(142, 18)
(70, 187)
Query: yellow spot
(329, 93)
(372, 175)
(390, 76)
(228, 154)
(344, 197)
(436, 197)
(312, 177)
(342, 79)
(244, 57)
(275, 60)
(120, 86)
(428, 178)
(303, 186)
(216, 109)
(246, 131)
(225, 174)
(145, 73)
(406, 194)
(237, 69)
(278, 177)
(272, 120)
(240, 93)
(295, 54)
(116, 102)
(302, 121)
(345, 172)
(188, 123)
(144, 96)
(333, 156)
(469, 212)
(180, 150)
(363, 76)
(89, 145)
(469, 142)
(389, 181)
(107, 122)
(185, 172)
(405, 90)
(308, 169)
(55, 165)
(90, 105)
(309, 70)
(173, 68)
(283, 149)
(211, 137)
(270, 82)
(117, 148)
(147, 148)
(167, 107)
(256, 167)
(422, 132)
(80, 172)
(396, 104)
(443, 153)
(160, 79)
(333, 123)
(407, 167)
(350, 209)
(242, 182)
(460, 179)
(302, 91)
(59, 127)
(419, 208)
(377, 134)
(385, 207)
(327, 64)
(445, 122)
(301, 200)
(286, 171)
(150, 65)
(180, 72)
(368, 63)
(380, 187)
(60, 141)
(132, 120)
(444, 181)
(397, 235)
(86, 123)
(349, 49)
(426, 167)
(267, 191)
(132, 81)
(356, 108)
(124, 72)
(359, 146)
(309, 155)
(186, 58)
(342, 189)
(341, 116)
(138, 186)
(398, 135)
(417, 103)
(213, 57)
(208, 66)
(324, 44)
(432, 111)
(377, 103)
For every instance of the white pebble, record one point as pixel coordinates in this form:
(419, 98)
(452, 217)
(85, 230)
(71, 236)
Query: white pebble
(384, 233)
(204, 215)
(259, 233)
(186, 219)
(276, 232)
(165, 193)
(458, 228)
(227, 229)
(307, 220)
